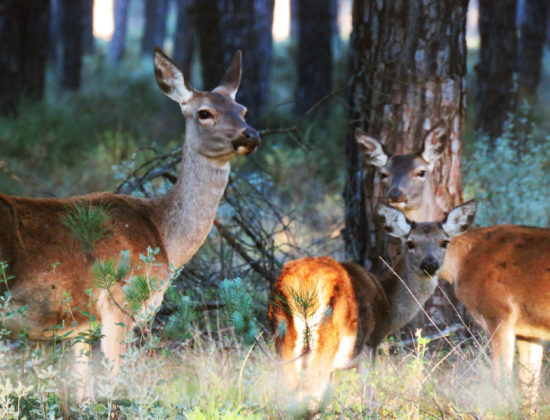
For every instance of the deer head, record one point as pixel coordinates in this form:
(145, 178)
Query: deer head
(216, 126)
(426, 241)
(406, 178)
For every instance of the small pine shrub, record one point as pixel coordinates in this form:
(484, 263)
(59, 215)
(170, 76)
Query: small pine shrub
(88, 223)
(510, 176)
(239, 305)
(179, 322)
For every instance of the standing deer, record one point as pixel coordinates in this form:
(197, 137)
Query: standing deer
(323, 313)
(500, 273)
(33, 238)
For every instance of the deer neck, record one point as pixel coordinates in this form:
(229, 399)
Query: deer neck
(188, 210)
(403, 306)
(428, 211)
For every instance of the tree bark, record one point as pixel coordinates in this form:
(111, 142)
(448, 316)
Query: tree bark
(156, 12)
(72, 34)
(247, 25)
(24, 35)
(315, 28)
(184, 39)
(118, 41)
(533, 35)
(409, 60)
(88, 26)
(496, 96)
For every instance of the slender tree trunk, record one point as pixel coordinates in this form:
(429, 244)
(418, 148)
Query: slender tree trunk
(294, 23)
(496, 96)
(184, 40)
(88, 26)
(120, 14)
(72, 32)
(207, 21)
(54, 50)
(247, 25)
(24, 35)
(533, 35)
(409, 60)
(315, 19)
(156, 12)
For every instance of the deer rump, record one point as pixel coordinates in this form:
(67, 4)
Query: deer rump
(47, 261)
(347, 306)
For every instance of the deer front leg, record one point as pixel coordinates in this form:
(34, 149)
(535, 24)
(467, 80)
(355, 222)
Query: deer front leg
(502, 347)
(530, 359)
(84, 386)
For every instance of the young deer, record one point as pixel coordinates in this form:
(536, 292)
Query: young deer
(33, 238)
(327, 311)
(500, 273)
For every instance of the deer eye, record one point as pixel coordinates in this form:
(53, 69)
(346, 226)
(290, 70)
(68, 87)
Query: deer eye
(383, 175)
(411, 245)
(204, 114)
(444, 244)
(421, 174)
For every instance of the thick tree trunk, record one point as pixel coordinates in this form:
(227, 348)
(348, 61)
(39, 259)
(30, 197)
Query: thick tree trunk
(315, 29)
(533, 35)
(496, 96)
(409, 58)
(184, 39)
(72, 33)
(88, 26)
(246, 25)
(24, 35)
(156, 12)
(120, 14)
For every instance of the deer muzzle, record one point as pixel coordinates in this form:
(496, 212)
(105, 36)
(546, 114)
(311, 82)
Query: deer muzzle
(429, 265)
(247, 143)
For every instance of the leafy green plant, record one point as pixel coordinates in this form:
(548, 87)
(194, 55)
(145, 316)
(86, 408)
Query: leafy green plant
(507, 175)
(179, 322)
(239, 305)
(88, 223)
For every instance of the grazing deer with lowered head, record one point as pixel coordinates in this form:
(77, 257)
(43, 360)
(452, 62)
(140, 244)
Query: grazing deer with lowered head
(323, 313)
(33, 237)
(500, 273)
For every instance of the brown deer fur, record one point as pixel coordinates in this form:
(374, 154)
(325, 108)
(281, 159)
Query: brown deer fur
(351, 308)
(46, 260)
(500, 273)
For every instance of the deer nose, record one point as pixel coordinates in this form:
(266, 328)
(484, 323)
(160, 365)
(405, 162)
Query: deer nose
(248, 142)
(395, 195)
(429, 265)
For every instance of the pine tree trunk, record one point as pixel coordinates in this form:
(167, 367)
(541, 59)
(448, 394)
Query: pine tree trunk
(24, 35)
(409, 58)
(496, 96)
(184, 39)
(533, 35)
(156, 12)
(88, 26)
(72, 33)
(207, 20)
(247, 25)
(120, 14)
(315, 20)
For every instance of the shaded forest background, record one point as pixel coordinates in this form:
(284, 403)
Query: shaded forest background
(81, 113)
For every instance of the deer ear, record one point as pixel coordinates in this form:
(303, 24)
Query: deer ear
(395, 222)
(434, 145)
(460, 218)
(232, 77)
(170, 78)
(370, 149)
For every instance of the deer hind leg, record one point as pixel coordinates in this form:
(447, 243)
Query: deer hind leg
(530, 359)
(81, 371)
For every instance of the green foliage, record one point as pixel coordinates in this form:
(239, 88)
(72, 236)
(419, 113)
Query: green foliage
(179, 323)
(239, 305)
(108, 273)
(139, 288)
(88, 223)
(508, 176)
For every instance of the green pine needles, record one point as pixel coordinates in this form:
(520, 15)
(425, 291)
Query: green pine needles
(240, 308)
(88, 223)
